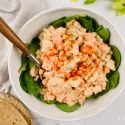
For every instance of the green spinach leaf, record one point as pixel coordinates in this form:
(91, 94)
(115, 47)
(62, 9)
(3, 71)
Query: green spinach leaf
(41, 98)
(95, 96)
(31, 64)
(104, 33)
(95, 24)
(86, 23)
(114, 79)
(62, 18)
(22, 82)
(64, 107)
(34, 45)
(68, 19)
(32, 86)
(116, 56)
(24, 63)
(99, 28)
(49, 102)
(59, 22)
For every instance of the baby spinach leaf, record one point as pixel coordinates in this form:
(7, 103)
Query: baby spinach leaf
(95, 96)
(64, 107)
(91, 97)
(24, 63)
(99, 28)
(106, 90)
(116, 56)
(114, 79)
(35, 40)
(31, 64)
(41, 98)
(49, 102)
(108, 75)
(22, 82)
(60, 19)
(32, 86)
(104, 33)
(34, 45)
(86, 23)
(68, 19)
(59, 22)
(95, 24)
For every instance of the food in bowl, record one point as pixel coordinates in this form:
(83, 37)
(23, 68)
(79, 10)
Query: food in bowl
(78, 63)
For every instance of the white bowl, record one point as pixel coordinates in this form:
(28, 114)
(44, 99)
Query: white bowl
(31, 29)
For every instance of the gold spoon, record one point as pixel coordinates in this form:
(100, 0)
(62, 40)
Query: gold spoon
(14, 39)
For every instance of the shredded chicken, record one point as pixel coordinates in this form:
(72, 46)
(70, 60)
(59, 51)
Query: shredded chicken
(74, 63)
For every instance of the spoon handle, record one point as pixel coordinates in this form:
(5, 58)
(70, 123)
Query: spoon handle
(12, 37)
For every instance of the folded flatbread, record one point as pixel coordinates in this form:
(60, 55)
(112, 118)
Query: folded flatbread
(9, 115)
(18, 105)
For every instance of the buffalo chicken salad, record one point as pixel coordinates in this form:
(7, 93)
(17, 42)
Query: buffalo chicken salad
(78, 63)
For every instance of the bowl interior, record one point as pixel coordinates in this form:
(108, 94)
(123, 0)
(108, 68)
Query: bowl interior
(31, 29)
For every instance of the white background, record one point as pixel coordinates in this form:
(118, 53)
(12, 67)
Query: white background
(114, 114)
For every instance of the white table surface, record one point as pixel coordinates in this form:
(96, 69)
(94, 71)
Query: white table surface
(114, 114)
